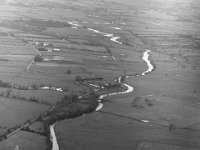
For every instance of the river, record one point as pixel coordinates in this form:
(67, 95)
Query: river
(53, 138)
(100, 105)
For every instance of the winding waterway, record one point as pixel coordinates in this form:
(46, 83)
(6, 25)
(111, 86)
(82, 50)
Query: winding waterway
(115, 39)
(129, 88)
(100, 104)
(53, 138)
(112, 37)
(146, 59)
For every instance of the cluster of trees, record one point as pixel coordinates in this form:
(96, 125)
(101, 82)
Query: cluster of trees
(31, 99)
(27, 128)
(78, 78)
(112, 86)
(69, 99)
(5, 84)
(42, 49)
(34, 86)
(71, 106)
(38, 58)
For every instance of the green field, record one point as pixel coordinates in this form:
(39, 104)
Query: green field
(54, 52)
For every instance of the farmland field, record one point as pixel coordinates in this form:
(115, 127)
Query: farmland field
(103, 74)
(24, 140)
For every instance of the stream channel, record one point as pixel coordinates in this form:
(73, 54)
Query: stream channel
(145, 57)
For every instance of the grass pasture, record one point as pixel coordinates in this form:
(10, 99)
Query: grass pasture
(15, 112)
(24, 140)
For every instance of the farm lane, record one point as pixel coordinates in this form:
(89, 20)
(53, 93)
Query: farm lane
(36, 50)
(28, 67)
